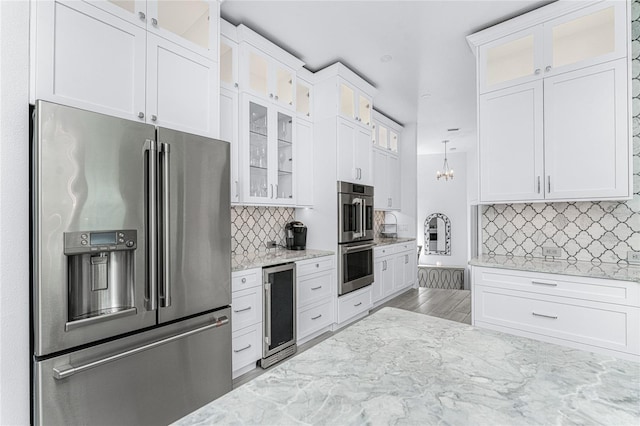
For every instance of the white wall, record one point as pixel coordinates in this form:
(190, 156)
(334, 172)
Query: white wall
(446, 197)
(408, 183)
(14, 212)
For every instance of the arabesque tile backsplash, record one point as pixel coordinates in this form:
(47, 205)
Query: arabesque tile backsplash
(252, 227)
(589, 231)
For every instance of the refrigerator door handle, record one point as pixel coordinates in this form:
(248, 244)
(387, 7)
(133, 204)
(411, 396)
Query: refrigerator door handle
(151, 296)
(67, 370)
(165, 297)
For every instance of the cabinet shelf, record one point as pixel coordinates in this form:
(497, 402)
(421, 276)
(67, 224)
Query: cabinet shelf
(284, 173)
(284, 143)
(258, 168)
(251, 132)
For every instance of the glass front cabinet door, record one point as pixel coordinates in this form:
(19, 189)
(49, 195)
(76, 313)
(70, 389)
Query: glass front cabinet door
(268, 78)
(268, 153)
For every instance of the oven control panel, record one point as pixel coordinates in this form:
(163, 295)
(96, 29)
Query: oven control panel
(100, 241)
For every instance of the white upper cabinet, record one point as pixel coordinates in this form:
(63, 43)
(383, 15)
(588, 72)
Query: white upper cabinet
(511, 60)
(511, 144)
(354, 104)
(386, 164)
(266, 70)
(229, 76)
(182, 88)
(586, 136)
(553, 105)
(267, 151)
(89, 59)
(581, 38)
(191, 24)
(304, 99)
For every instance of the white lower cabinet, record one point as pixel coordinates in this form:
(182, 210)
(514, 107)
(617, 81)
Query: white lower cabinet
(353, 305)
(598, 315)
(395, 270)
(316, 290)
(246, 320)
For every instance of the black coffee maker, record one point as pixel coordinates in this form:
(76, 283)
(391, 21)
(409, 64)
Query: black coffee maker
(296, 235)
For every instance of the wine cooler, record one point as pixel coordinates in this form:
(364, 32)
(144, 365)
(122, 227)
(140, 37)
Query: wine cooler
(279, 322)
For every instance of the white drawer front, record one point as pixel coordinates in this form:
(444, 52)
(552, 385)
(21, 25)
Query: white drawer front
(246, 346)
(246, 279)
(598, 290)
(597, 324)
(246, 307)
(383, 251)
(354, 304)
(312, 288)
(311, 266)
(315, 318)
(405, 247)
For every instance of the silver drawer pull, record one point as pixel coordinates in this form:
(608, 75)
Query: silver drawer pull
(543, 315)
(545, 283)
(243, 349)
(357, 304)
(242, 310)
(316, 288)
(244, 280)
(315, 318)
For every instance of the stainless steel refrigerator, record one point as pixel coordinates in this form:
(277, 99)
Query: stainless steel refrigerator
(131, 270)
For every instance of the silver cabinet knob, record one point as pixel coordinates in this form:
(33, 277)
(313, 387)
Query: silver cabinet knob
(235, 85)
(317, 265)
(308, 115)
(276, 97)
(154, 22)
(141, 114)
(244, 280)
(271, 95)
(537, 71)
(142, 16)
(154, 118)
(548, 68)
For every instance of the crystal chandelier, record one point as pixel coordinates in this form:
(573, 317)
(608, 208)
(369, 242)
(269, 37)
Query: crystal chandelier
(448, 172)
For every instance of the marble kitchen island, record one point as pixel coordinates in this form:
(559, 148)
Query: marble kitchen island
(399, 367)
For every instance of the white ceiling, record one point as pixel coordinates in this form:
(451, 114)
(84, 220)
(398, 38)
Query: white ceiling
(431, 78)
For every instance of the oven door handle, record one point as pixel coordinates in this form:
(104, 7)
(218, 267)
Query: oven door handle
(363, 211)
(357, 202)
(361, 247)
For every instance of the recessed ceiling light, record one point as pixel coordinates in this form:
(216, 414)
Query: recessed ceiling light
(386, 58)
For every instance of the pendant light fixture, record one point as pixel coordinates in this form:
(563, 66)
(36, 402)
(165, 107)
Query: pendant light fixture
(448, 172)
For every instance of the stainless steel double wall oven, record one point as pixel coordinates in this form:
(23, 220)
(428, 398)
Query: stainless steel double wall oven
(355, 236)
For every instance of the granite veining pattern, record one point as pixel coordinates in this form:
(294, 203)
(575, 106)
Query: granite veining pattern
(388, 241)
(240, 262)
(613, 271)
(400, 367)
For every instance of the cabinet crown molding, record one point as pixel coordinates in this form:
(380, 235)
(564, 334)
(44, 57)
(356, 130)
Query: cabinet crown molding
(526, 20)
(247, 35)
(340, 70)
(228, 30)
(381, 118)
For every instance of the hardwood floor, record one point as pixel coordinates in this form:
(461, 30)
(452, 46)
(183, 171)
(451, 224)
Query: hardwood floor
(454, 305)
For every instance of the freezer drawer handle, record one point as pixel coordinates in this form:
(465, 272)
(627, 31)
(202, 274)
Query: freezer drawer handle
(65, 371)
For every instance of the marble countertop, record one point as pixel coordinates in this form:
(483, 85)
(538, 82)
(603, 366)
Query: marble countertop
(240, 262)
(612, 271)
(400, 367)
(389, 241)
